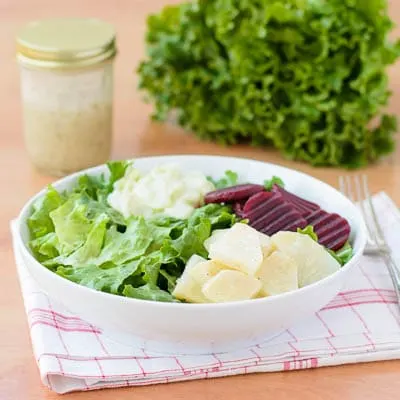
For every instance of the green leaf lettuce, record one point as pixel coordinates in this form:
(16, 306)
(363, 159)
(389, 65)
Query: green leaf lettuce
(78, 236)
(230, 178)
(308, 77)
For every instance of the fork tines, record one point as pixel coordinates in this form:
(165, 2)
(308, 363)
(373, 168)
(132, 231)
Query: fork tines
(356, 189)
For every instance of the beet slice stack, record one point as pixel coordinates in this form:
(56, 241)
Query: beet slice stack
(269, 212)
(305, 207)
(279, 210)
(332, 230)
(233, 193)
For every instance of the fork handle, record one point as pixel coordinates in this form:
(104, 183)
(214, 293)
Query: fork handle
(394, 274)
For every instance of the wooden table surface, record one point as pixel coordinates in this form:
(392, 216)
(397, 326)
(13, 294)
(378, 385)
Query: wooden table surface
(136, 135)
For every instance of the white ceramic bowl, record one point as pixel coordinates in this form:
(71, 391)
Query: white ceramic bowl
(201, 328)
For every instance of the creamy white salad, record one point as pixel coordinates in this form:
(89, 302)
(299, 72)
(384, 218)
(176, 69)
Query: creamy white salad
(166, 189)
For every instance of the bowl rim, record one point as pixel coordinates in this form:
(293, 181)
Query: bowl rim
(96, 170)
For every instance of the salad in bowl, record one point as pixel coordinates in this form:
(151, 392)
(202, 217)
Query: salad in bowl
(177, 235)
(192, 252)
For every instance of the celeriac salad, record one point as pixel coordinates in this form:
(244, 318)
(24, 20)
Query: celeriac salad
(179, 236)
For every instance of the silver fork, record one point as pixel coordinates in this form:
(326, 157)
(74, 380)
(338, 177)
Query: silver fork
(356, 189)
(376, 242)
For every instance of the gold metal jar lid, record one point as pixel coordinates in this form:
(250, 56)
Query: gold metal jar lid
(65, 43)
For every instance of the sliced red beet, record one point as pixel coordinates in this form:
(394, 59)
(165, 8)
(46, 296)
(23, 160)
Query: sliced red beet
(233, 193)
(271, 216)
(279, 210)
(238, 208)
(305, 207)
(290, 221)
(316, 216)
(336, 239)
(327, 224)
(298, 223)
(259, 199)
(269, 213)
(332, 230)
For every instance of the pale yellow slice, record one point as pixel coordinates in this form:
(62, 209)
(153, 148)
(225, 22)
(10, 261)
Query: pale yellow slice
(194, 260)
(204, 271)
(229, 285)
(217, 234)
(313, 260)
(278, 274)
(187, 288)
(267, 247)
(239, 248)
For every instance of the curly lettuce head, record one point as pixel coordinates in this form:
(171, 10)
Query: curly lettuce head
(306, 76)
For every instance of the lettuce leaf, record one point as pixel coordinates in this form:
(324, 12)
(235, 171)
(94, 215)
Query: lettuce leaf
(220, 217)
(71, 223)
(98, 278)
(230, 178)
(117, 171)
(45, 247)
(275, 180)
(120, 248)
(97, 189)
(308, 77)
(148, 292)
(192, 239)
(91, 248)
(78, 236)
(39, 222)
(308, 230)
(344, 254)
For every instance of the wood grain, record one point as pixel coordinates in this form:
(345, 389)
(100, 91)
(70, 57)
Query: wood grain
(136, 135)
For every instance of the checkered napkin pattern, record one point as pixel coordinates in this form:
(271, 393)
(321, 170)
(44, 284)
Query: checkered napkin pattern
(361, 324)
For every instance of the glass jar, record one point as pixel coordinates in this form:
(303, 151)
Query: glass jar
(66, 70)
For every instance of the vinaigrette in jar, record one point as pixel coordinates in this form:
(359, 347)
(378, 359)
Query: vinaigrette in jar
(66, 69)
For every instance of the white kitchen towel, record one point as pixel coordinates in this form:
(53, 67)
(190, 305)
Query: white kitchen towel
(361, 324)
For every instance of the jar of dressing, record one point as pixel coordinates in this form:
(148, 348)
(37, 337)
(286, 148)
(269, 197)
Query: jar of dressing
(66, 70)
